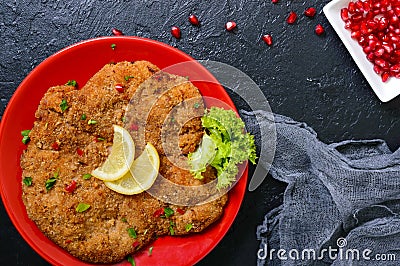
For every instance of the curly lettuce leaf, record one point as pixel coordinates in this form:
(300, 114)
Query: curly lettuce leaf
(232, 146)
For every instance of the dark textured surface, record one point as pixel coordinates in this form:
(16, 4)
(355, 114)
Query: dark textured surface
(304, 76)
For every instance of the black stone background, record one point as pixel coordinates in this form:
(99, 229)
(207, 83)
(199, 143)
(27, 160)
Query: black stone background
(307, 77)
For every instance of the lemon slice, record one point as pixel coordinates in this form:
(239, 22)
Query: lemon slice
(143, 173)
(121, 157)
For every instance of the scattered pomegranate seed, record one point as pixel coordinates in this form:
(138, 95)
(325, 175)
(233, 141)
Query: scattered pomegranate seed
(71, 187)
(310, 12)
(176, 32)
(291, 18)
(319, 30)
(119, 87)
(267, 39)
(180, 211)
(375, 25)
(158, 212)
(79, 151)
(68, 241)
(55, 146)
(230, 25)
(194, 20)
(117, 32)
(274, 1)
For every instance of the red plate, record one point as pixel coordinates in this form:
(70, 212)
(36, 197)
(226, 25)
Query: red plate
(80, 62)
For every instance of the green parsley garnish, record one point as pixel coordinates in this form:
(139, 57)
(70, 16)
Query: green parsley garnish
(150, 250)
(86, 176)
(25, 136)
(64, 105)
(82, 207)
(123, 219)
(27, 181)
(127, 78)
(113, 45)
(101, 139)
(131, 260)
(132, 233)
(188, 227)
(50, 182)
(196, 105)
(92, 122)
(83, 117)
(71, 83)
(168, 212)
(171, 228)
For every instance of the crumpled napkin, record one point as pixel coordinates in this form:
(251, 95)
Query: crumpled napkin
(342, 202)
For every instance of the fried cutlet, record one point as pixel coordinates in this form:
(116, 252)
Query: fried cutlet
(66, 146)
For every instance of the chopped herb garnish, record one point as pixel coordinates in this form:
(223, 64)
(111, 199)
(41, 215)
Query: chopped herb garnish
(64, 105)
(86, 176)
(27, 181)
(113, 45)
(172, 119)
(168, 212)
(187, 77)
(171, 228)
(57, 174)
(123, 119)
(83, 117)
(188, 227)
(127, 78)
(145, 232)
(92, 122)
(131, 261)
(132, 233)
(50, 183)
(25, 136)
(82, 207)
(72, 83)
(101, 139)
(150, 250)
(123, 219)
(196, 105)
(26, 139)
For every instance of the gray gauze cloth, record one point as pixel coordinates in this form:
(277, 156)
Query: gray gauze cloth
(342, 198)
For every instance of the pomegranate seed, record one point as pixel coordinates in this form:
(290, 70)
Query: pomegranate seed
(176, 32)
(79, 151)
(291, 18)
(371, 57)
(355, 35)
(379, 52)
(395, 68)
(381, 63)
(352, 8)
(377, 69)
(310, 12)
(116, 32)
(230, 25)
(71, 187)
(194, 20)
(180, 211)
(388, 48)
(267, 39)
(344, 14)
(158, 212)
(55, 146)
(119, 87)
(385, 76)
(319, 30)
(274, 1)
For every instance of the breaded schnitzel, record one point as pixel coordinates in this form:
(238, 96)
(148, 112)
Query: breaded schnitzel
(72, 135)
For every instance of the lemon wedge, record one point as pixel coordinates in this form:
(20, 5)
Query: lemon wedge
(121, 157)
(142, 174)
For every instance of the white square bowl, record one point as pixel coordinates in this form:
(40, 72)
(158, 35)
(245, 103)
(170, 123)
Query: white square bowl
(384, 90)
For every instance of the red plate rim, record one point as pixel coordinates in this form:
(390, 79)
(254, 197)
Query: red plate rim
(10, 133)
